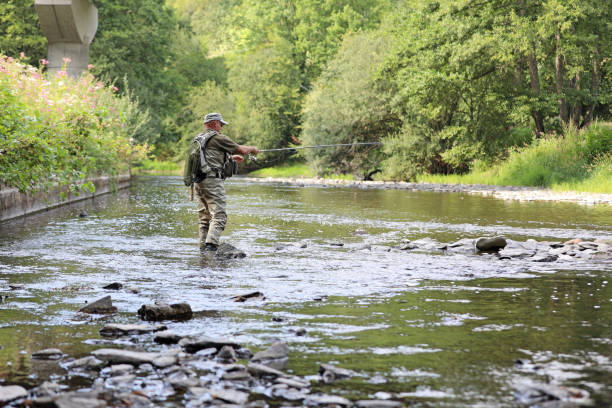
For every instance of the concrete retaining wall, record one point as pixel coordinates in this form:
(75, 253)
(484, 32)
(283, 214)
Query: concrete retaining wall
(14, 204)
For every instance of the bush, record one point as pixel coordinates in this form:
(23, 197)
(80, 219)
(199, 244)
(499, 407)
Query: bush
(59, 131)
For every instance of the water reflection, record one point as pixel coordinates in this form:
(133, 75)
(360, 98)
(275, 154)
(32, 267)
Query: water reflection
(437, 327)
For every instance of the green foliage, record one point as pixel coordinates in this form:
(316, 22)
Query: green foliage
(62, 130)
(291, 169)
(347, 105)
(463, 80)
(19, 31)
(580, 160)
(157, 167)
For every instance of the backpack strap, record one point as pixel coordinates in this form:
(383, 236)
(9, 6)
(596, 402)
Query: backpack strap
(202, 139)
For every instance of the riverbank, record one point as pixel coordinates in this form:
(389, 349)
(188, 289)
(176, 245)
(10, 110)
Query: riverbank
(501, 192)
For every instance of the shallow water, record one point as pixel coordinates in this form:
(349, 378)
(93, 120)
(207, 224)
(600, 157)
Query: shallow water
(438, 329)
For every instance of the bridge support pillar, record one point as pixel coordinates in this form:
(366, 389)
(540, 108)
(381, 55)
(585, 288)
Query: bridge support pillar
(70, 26)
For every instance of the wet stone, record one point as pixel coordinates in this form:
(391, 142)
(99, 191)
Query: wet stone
(242, 375)
(12, 392)
(113, 286)
(335, 372)
(47, 354)
(165, 361)
(490, 244)
(194, 345)
(276, 356)
(292, 382)
(227, 251)
(244, 354)
(227, 354)
(378, 404)
(162, 311)
(118, 369)
(88, 362)
(325, 400)
(167, 337)
(79, 400)
(100, 306)
(124, 356)
(231, 396)
(123, 329)
(260, 370)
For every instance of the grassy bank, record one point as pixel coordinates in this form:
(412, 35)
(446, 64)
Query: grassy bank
(578, 161)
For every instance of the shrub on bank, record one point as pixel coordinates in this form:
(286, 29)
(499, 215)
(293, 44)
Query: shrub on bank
(57, 130)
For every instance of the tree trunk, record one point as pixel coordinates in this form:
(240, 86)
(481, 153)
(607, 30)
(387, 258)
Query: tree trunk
(577, 113)
(534, 77)
(559, 79)
(595, 87)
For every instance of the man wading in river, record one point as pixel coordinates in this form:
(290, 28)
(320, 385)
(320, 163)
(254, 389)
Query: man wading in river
(212, 159)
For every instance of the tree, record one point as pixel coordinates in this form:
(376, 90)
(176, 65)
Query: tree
(19, 31)
(347, 105)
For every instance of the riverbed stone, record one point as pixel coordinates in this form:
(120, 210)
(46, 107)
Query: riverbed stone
(275, 356)
(231, 396)
(227, 354)
(490, 244)
(244, 353)
(227, 251)
(325, 400)
(333, 373)
(118, 369)
(115, 329)
(292, 382)
(260, 370)
(47, 354)
(163, 311)
(79, 400)
(101, 306)
(124, 356)
(193, 345)
(164, 361)
(113, 286)
(85, 363)
(12, 392)
(167, 337)
(240, 375)
(378, 404)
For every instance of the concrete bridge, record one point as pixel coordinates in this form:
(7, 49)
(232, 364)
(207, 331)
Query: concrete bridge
(70, 26)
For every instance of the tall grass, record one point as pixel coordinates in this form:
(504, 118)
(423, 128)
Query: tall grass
(577, 160)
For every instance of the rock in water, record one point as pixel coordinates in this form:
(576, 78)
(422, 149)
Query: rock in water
(177, 311)
(116, 329)
(227, 251)
(100, 306)
(167, 337)
(113, 286)
(125, 356)
(11, 392)
(491, 244)
(194, 345)
(47, 354)
(276, 356)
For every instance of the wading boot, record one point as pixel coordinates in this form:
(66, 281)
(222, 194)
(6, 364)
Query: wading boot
(210, 247)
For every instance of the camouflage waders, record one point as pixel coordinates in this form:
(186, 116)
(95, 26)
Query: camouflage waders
(211, 209)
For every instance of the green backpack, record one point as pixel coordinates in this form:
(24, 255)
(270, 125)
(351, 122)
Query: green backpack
(196, 160)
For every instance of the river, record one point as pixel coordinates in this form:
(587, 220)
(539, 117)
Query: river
(428, 327)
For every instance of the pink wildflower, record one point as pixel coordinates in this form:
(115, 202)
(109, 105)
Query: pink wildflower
(115, 89)
(67, 60)
(90, 66)
(22, 55)
(44, 62)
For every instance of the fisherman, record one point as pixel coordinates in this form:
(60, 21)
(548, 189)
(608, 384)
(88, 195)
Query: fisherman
(210, 191)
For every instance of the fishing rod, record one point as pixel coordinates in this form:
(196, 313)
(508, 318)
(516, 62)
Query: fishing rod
(316, 147)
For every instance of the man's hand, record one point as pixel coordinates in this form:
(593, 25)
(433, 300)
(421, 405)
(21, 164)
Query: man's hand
(238, 158)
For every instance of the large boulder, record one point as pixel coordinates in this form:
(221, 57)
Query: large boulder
(490, 244)
(11, 392)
